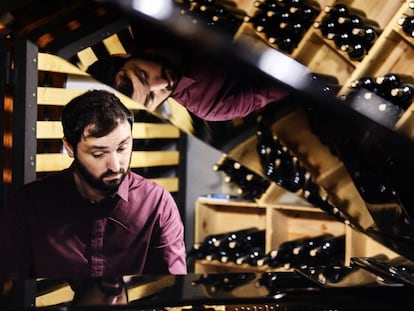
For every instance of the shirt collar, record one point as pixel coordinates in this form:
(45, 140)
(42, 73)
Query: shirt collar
(183, 84)
(123, 188)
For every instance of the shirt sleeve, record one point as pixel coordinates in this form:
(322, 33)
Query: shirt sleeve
(15, 248)
(215, 93)
(168, 248)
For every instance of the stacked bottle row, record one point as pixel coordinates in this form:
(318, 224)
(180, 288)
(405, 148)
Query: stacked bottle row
(388, 95)
(243, 246)
(247, 246)
(350, 30)
(406, 22)
(221, 15)
(397, 270)
(280, 166)
(250, 184)
(283, 22)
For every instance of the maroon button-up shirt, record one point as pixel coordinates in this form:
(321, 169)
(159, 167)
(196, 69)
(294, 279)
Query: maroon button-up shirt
(216, 93)
(51, 231)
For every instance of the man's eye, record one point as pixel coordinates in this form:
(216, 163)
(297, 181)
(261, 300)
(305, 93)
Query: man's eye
(122, 148)
(97, 154)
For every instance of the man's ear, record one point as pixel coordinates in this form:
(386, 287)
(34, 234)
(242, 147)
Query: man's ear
(68, 147)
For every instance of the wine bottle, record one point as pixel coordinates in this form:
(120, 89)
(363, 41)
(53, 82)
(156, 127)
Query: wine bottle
(389, 81)
(328, 27)
(268, 8)
(251, 256)
(301, 252)
(305, 13)
(343, 38)
(407, 25)
(355, 51)
(367, 83)
(295, 29)
(283, 254)
(286, 43)
(232, 237)
(331, 251)
(290, 175)
(260, 21)
(342, 10)
(334, 273)
(312, 192)
(349, 22)
(402, 95)
(209, 245)
(366, 35)
(249, 240)
(226, 255)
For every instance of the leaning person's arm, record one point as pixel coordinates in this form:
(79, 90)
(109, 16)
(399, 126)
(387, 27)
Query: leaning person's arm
(214, 93)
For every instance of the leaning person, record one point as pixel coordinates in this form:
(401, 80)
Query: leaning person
(95, 218)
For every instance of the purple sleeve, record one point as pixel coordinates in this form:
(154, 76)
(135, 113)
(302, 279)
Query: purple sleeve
(214, 94)
(169, 246)
(15, 248)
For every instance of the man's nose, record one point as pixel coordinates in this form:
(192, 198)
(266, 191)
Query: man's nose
(114, 162)
(159, 84)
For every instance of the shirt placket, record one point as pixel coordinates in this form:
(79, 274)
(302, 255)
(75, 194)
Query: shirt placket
(97, 258)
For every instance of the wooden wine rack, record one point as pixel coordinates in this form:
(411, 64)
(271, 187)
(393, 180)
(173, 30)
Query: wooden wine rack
(393, 51)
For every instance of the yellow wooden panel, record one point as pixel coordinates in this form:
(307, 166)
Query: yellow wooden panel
(60, 97)
(48, 129)
(180, 116)
(49, 62)
(56, 96)
(151, 130)
(60, 295)
(154, 158)
(140, 130)
(87, 57)
(113, 45)
(171, 184)
(50, 162)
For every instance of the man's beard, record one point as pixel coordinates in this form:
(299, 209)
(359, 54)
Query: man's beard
(98, 183)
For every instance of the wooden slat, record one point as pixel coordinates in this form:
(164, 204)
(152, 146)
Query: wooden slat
(50, 162)
(56, 96)
(140, 130)
(114, 45)
(171, 184)
(154, 158)
(139, 291)
(154, 130)
(53, 63)
(60, 97)
(60, 295)
(180, 117)
(87, 57)
(49, 130)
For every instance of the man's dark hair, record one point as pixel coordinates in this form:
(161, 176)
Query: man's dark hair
(100, 108)
(106, 68)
